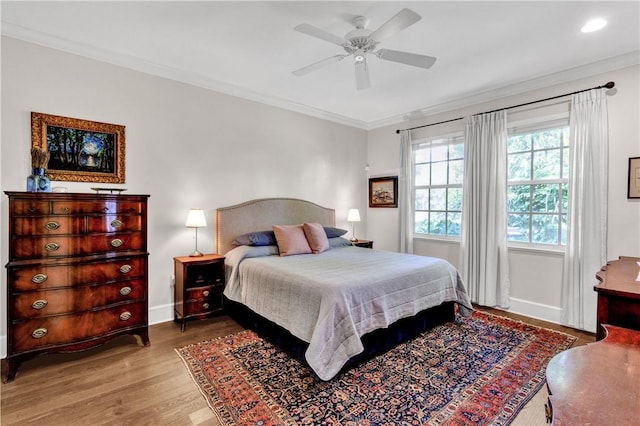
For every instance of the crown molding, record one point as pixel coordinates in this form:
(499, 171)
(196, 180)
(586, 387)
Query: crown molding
(148, 67)
(499, 92)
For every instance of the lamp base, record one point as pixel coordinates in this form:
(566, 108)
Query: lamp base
(196, 254)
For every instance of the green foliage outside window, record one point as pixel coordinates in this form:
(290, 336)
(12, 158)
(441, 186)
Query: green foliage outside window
(537, 191)
(438, 176)
(537, 188)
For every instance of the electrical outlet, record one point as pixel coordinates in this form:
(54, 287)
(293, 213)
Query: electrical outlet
(172, 281)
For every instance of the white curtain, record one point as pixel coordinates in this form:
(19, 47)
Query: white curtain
(405, 196)
(586, 248)
(483, 239)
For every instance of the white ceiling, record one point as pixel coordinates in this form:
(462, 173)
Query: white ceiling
(249, 49)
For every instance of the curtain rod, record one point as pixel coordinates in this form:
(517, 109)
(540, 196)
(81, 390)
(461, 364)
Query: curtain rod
(609, 85)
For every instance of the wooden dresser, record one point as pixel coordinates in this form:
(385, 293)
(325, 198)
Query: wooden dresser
(77, 272)
(619, 294)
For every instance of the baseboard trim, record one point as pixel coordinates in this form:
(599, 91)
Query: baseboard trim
(162, 313)
(535, 310)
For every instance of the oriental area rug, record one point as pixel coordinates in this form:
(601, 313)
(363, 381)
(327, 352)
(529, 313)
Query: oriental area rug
(479, 370)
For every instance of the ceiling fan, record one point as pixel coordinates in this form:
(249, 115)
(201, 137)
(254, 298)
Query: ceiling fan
(362, 42)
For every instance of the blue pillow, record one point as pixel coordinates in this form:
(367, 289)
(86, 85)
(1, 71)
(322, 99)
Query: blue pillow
(339, 242)
(260, 238)
(334, 232)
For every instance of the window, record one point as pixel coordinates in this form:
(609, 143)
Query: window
(537, 185)
(438, 172)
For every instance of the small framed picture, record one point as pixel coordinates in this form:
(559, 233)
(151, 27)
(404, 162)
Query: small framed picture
(633, 185)
(383, 191)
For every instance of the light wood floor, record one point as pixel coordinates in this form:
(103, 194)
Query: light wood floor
(121, 383)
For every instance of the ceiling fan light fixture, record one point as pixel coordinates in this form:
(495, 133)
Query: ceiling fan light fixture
(359, 56)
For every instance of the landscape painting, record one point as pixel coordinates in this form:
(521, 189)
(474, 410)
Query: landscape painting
(80, 150)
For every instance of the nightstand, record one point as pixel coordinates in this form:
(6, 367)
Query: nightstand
(199, 286)
(363, 243)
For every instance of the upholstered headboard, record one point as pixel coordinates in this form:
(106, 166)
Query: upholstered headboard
(262, 214)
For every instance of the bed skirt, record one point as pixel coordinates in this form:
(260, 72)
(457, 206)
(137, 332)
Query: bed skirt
(375, 342)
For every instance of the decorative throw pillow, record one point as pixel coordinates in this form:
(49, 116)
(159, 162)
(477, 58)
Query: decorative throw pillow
(260, 238)
(291, 240)
(334, 232)
(316, 237)
(339, 242)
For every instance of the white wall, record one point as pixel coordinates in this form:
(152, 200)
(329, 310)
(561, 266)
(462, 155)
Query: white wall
(535, 276)
(185, 146)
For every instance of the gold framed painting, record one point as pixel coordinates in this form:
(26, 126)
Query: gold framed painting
(383, 191)
(80, 150)
(633, 184)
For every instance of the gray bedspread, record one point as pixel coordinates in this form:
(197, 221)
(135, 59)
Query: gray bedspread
(333, 298)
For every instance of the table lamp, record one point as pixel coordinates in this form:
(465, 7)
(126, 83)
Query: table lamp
(195, 219)
(353, 216)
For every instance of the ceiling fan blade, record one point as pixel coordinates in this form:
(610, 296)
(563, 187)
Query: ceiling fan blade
(317, 65)
(362, 75)
(320, 33)
(403, 19)
(413, 59)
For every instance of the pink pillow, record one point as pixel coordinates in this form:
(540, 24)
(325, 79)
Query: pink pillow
(316, 236)
(291, 240)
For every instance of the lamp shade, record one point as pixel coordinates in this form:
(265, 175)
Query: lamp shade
(353, 215)
(196, 219)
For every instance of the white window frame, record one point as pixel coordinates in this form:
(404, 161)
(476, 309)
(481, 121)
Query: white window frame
(440, 140)
(528, 126)
(520, 126)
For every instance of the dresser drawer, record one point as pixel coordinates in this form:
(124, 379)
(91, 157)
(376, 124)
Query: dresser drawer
(40, 277)
(64, 245)
(63, 207)
(59, 225)
(114, 223)
(47, 225)
(38, 304)
(39, 333)
(203, 306)
(204, 292)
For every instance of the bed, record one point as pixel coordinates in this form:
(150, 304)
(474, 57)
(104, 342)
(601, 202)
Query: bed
(339, 306)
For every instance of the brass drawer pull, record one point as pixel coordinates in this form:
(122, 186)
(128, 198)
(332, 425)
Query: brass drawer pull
(125, 290)
(51, 246)
(51, 226)
(205, 293)
(39, 304)
(39, 333)
(125, 315)
(205, 305)
(116, 243)
(116, 223)
(105, 209)
(125, 269)
(39, 278)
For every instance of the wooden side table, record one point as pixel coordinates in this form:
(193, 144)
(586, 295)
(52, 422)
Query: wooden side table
(596, 384)
(199, 286)
(363, 243)
(619, 294)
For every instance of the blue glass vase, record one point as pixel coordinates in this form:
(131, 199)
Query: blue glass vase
(38, 181)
